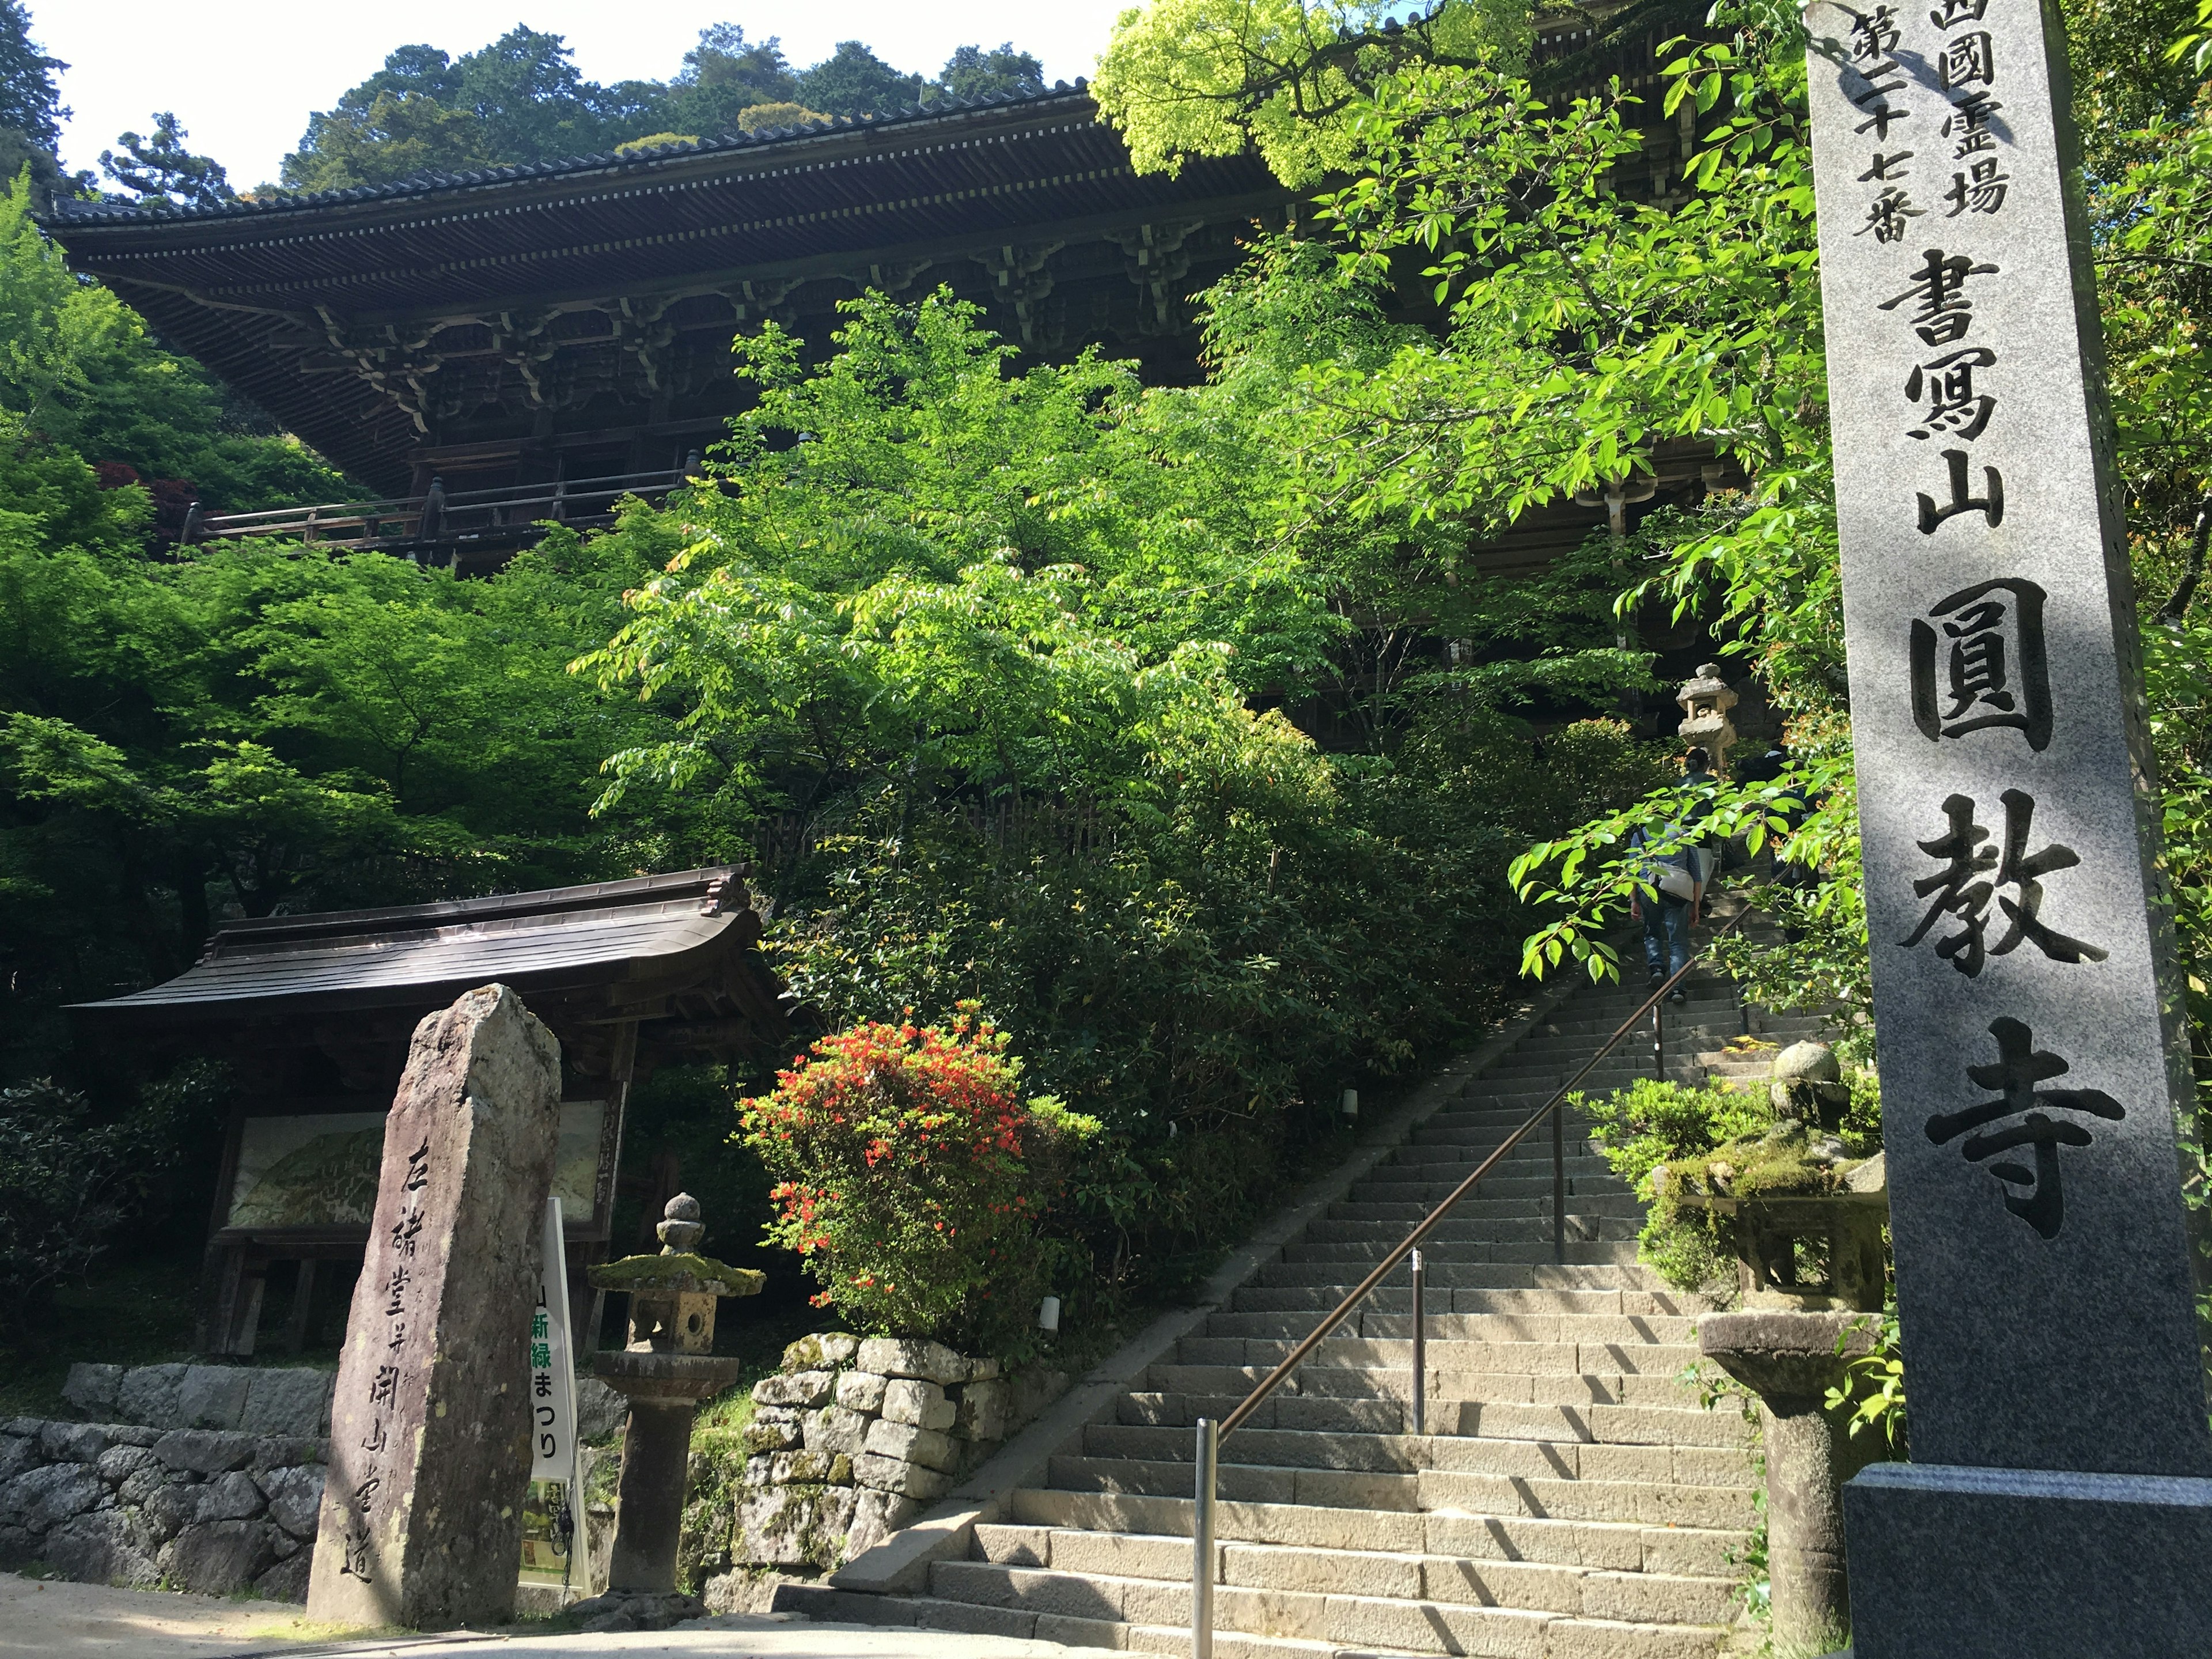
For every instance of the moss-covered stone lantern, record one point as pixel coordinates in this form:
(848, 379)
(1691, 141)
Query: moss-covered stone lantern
(666, 1368)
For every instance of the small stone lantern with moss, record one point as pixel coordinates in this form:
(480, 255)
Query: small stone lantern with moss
(1807, 1224)
(666, 1368)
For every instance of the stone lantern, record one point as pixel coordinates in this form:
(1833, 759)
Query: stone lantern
(667, 1367)
(1790, 1340)
(1705, 701)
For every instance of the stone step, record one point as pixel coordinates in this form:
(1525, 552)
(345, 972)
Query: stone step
(1516, 1358)
(1485, 1327)
(1595, 1222)
(1406, 1210)
(1512, 1178)
(1271, 1449)
(1319, 1595)
(1651, 1503)
(1677, 1424)
(1244, 1483)
(1442, 1298)
(1574, 1389)
(1612, 1546)
(1476, 1275)
(1580, 1251)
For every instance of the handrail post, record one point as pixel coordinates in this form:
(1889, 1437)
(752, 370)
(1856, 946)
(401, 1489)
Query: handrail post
(1659, 1040)
(1201, 1546)
(1420, 1349)
(1560, 1184)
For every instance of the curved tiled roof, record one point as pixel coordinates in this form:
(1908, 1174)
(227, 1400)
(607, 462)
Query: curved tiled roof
(431, 183)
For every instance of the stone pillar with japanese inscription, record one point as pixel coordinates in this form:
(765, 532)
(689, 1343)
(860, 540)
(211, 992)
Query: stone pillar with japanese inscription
(2058, 1501)
(430, 1449)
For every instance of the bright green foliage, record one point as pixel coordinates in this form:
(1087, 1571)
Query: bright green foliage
(78, 369)
(966, 590)
(912, 1176)
(1872, 1393)
(1207, 77)
(1649, 1125)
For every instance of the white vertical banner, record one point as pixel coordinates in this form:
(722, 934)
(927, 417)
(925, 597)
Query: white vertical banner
(552, 1362)
(548, 1547)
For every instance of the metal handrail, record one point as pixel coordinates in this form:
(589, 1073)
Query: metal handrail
(1211, 1434)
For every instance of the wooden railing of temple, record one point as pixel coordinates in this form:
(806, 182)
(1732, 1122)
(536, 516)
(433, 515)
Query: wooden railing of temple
(442, 517)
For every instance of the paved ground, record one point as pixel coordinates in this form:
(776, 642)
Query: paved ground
(81, 1622)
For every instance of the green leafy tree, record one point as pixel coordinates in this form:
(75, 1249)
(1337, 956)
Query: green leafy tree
(727, 75)
(518, 99)
(972, 72)
(853, 80)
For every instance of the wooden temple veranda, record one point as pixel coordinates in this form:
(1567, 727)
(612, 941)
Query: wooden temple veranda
(313, 1013)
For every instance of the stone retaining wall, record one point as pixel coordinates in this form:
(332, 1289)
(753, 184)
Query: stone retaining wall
(851, 1438)
(288, 1401)
(204, 1509)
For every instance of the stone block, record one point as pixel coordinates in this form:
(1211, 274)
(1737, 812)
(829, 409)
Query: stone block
(892, 1475)
(118, 1463)
(293, 1495)
(72, 1442)
(932, 1362)
(834, 1429)
(862, 1391)
(876, 1516)
(45, 1498)
(104, 1547)
(204, 1451)
(826, 1351)
(601, 1412)
(19, 1452)
(147, 1394)
(288, 1580)
(169, 1508)
(795, 1388)
(917, 1404)
(284, 1451)
(131, 1434)
(795, 1526)
(291, 1401)
(212, 1397)
(774, 1435)
(232, 1497)
(93, 1390)
(219, 1557)
(929, 1447)
(2020, 1563)
(982, 1413)
(982, 1370)
(810, 1468)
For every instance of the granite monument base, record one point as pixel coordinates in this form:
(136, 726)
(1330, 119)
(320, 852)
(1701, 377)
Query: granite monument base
(1956, 1563)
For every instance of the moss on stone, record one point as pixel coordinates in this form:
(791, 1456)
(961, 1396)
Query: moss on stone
(676, 1272)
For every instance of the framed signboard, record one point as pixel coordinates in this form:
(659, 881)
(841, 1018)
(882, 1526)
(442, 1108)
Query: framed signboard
(319, 1169)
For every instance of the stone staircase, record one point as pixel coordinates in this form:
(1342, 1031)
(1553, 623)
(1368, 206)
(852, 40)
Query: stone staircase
(1571, 1499)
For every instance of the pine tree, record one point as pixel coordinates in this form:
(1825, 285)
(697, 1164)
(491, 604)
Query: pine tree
(30, 102)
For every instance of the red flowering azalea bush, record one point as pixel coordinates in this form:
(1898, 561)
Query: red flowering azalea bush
(911, 1175)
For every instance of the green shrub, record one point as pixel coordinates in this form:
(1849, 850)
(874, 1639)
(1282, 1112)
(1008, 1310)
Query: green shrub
(910, 1176)
(1649, 1125)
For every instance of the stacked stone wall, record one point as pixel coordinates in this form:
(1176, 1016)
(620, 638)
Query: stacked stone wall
(851, 1438)
(206, 1509)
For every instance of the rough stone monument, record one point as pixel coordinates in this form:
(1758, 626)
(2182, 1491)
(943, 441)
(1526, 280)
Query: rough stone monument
(421, 1512)
(2057, 1502)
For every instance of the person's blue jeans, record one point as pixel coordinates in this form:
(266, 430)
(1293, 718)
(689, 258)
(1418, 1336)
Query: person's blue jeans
(1666, 936)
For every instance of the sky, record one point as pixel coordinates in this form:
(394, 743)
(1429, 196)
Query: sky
(243, 76)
